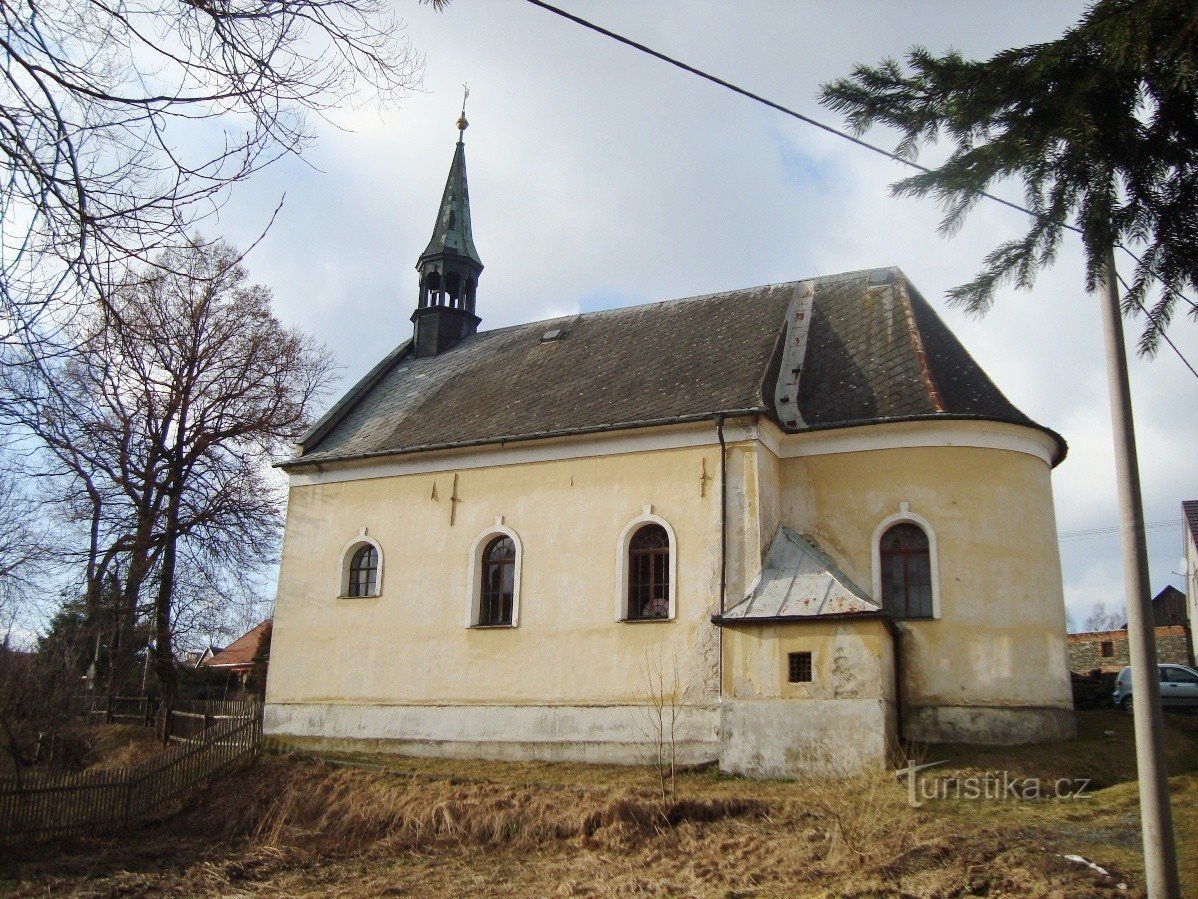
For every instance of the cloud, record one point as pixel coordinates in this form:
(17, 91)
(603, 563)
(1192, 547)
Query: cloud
(602, 177)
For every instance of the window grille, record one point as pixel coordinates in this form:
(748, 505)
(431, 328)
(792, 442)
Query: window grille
(498, 582)
(649, 574)
(906, 572)
(364, 571)
(798, 667)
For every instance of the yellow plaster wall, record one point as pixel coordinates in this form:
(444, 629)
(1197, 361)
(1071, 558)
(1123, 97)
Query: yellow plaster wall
(841, 722)
(849, 660)
(1000, 640)
(410, 645)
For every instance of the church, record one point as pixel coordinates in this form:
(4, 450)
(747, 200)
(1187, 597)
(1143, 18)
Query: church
(799, 518)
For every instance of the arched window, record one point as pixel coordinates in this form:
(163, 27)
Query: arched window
(363, 572)
(649, 573)
(360, 571)
(906, 571)
(433, 283)
(496, 599)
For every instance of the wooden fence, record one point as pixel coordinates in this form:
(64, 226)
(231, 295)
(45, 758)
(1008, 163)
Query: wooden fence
(190, 718)
(146, 711)
(49, 804)
(122, 710)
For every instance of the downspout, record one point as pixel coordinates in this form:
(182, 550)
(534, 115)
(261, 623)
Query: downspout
(896, 641)
(719, 430)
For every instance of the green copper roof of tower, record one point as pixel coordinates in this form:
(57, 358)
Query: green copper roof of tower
(452, 236)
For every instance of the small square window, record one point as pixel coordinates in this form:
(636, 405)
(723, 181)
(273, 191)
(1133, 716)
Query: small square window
(798, 667)
(1106, 648)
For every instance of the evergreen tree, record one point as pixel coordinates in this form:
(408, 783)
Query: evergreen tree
(1100, 126)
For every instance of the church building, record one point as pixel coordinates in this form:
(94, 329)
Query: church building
(799, 517)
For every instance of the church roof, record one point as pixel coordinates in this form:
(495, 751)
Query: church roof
(799, 581)
(451, 233)
(875, 351)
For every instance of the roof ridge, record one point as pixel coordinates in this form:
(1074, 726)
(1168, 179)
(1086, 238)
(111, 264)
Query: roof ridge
(921, 354)
(671, 361)
(840, 276)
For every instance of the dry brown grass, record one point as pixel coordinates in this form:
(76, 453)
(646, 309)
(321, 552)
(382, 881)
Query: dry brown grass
(327, 808)
(84, 748)
(121, 745)
(294, 826)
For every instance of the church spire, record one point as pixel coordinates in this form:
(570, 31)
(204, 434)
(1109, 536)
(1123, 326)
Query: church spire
(449, 266)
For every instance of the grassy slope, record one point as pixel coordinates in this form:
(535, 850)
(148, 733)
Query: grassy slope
(395, 826)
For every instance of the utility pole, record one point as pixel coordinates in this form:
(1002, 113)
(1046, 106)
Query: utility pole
(1156, 817)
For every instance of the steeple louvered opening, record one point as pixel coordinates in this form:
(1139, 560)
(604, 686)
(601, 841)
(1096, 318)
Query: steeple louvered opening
(449, 268)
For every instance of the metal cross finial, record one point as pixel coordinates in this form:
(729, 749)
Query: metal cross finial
(462, 123)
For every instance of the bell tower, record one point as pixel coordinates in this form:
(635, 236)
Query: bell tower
(449, 266)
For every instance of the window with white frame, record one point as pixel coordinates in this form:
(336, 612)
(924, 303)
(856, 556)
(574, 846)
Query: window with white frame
(906, 571)
(498, 588)
(495, 560)
(364, 571)
(906, 579)
(361, 568)
(648, 567)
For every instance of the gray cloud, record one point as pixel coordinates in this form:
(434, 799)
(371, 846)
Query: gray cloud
(601, 177)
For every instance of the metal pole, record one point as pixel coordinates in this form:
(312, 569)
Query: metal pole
(1156, 818)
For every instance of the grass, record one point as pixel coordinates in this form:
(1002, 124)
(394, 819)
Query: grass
(375, 825)
(83, 748)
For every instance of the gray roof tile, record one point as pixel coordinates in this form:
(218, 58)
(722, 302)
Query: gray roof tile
(876, 352)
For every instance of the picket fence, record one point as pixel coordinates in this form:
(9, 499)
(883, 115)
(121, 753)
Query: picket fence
(42, 805)
(146, 710)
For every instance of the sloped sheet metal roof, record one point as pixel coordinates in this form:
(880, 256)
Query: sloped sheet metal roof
(798, 580)
(875, 351)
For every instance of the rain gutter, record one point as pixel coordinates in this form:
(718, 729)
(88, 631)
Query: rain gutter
(519, 438)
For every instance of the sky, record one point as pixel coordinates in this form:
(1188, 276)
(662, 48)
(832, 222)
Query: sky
(600, 177)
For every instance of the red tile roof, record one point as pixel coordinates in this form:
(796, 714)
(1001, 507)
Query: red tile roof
(241, 652)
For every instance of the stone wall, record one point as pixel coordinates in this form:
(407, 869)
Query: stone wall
(1085, 650)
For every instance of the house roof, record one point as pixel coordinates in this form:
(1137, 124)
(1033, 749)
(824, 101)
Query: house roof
(1189, 514)
(875, 351)
(240, 652)
(1169, 593)
(799, 581)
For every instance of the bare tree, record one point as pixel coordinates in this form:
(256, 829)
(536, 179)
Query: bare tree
(123, 123)
(663, 694)
(22, 549)
(1102, 619)
(164, 421)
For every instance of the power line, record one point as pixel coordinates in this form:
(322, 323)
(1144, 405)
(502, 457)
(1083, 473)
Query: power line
(1108, 531)
(1159, 329)
(844, 135)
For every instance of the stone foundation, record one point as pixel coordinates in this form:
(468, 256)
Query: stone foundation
(984, 725)
(790, 738)
(620, 735)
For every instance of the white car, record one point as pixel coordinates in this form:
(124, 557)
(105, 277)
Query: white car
(1179, 687)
